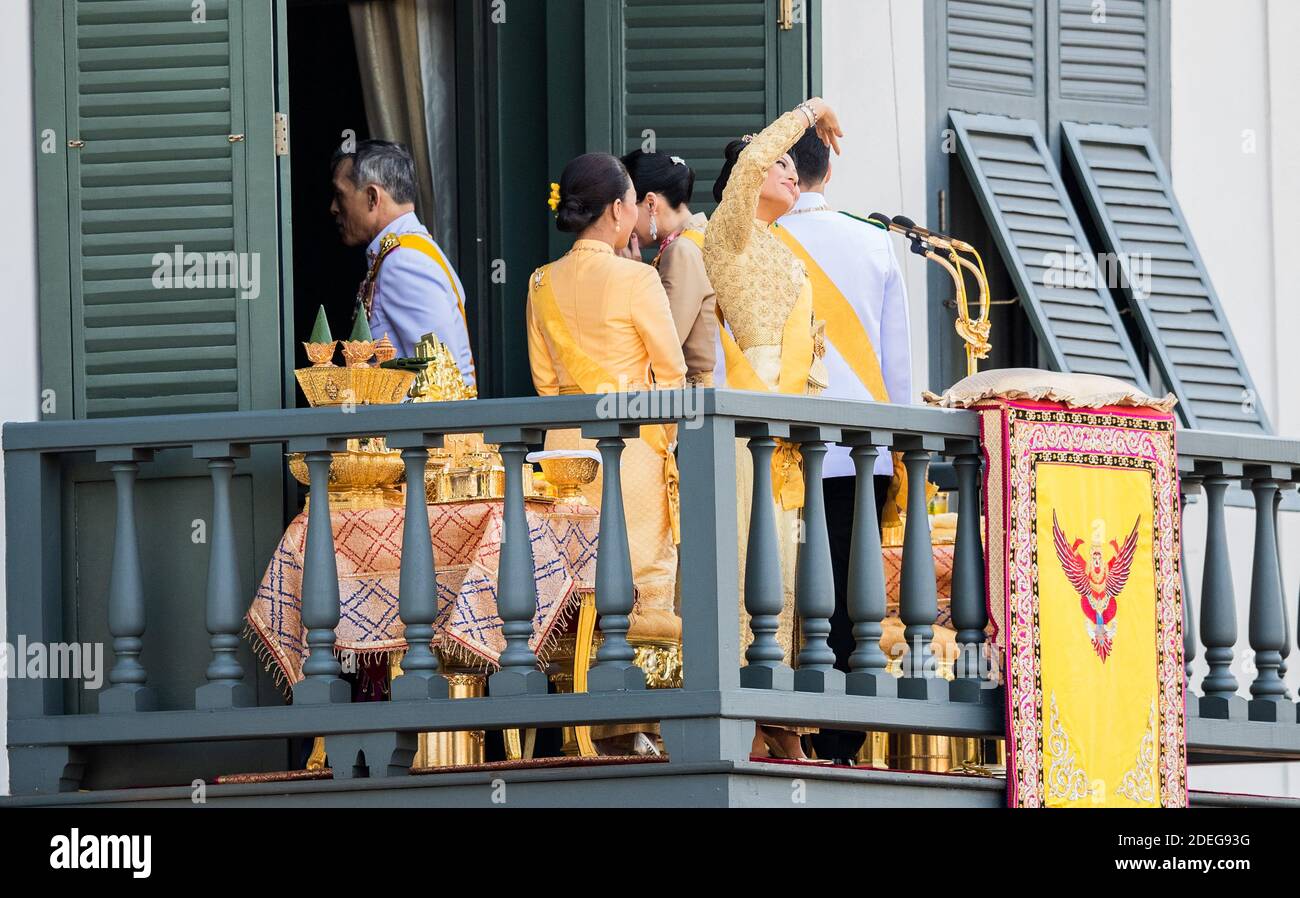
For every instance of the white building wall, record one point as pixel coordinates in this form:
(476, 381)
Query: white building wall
(19, 400)
(873, 74)
(1235, 93)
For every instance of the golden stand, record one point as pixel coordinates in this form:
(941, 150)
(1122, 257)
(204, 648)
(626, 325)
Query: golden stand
(449, 749)
(661, 659)
(437, 749)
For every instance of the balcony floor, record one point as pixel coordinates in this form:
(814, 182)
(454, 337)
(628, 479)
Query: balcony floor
(716, 785)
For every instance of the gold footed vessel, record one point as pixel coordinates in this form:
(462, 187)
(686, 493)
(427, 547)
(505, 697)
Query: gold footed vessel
(364, 476)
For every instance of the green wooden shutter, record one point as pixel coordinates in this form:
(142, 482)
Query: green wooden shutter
(155, 96)
(1036, 230)
(697, 75)
(991, 55)
(1108, 63)
(1131, 199)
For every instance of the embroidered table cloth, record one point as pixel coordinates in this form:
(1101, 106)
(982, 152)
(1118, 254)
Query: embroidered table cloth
(466, 540)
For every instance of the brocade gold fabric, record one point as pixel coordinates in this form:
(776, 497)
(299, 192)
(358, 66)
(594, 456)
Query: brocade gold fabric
(756, 277)
(758, 281)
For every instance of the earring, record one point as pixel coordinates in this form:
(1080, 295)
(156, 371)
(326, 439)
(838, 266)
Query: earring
(654, 227)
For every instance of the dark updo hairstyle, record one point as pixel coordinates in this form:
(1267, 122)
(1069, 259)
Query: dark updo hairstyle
(658, 173)
(589, 184)
(731, 154)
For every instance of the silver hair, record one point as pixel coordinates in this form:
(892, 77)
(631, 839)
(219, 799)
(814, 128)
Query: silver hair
(384, 163)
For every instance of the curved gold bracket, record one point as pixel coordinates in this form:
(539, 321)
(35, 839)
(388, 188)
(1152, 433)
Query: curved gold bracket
(582, 664)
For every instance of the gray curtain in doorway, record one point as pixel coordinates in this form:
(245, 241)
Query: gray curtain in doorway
(406, 53)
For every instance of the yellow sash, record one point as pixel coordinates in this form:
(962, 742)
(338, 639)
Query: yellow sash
(844, 329)
(592, 378)
(423, 244)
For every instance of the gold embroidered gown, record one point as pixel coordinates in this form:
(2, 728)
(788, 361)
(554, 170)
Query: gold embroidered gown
(758, 283)
(617, 313)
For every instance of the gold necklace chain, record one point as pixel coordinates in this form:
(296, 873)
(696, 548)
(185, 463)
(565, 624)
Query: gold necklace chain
(821, 208)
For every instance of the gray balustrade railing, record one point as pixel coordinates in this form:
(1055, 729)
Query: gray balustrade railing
(711, 718)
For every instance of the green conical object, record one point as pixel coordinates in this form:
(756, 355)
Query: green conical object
(320, 332)
(361, 328)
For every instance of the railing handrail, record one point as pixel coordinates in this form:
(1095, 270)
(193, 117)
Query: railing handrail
(279, 425)
(1244, 448)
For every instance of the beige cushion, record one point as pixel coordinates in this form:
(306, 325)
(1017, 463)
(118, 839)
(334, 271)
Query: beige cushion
(1072, 390)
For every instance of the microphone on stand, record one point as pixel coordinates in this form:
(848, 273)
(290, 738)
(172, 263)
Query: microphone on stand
(904, 226)
(933, 237)
(923, 243)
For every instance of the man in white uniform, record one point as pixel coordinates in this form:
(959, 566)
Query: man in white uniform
(859, 262)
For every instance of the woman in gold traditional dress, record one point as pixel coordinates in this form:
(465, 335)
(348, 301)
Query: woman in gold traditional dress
(664, 185)
(774, 343)
(600, 322)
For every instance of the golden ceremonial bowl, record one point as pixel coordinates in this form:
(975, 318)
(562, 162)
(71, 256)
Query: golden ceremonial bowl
(569, 474)
(365, 476)
(331, 385)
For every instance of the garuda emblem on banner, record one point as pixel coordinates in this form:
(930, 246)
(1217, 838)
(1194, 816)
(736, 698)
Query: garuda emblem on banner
(1097, 584)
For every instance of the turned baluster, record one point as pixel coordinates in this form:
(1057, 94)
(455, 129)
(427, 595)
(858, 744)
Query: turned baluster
(969, 609)
(764, 592)
(417, 591)
(866, 576)
(615, 594)
(814, 577)
(1281, 582)
(1267, 623)
(1189, 483)
(1218, 601)
(321, 683)
(516, 572)
(225, 597)
(126, 612)
(918, 604)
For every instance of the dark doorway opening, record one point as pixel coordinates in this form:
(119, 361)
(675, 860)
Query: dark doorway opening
(325, 101)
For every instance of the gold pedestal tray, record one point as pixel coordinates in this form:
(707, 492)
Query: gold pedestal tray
(365, 476)
(330, 385)
(439, 749)
(449, 749)
(569, 475)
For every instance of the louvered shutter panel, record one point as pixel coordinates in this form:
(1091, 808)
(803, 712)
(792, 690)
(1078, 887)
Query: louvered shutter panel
(990, 57)
(1037, 232)
(698, 75)
(1106, 63)
(155, 97)
(1131, 199)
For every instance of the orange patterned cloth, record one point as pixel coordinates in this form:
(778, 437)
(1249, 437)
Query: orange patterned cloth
(893, 556)
(466, 540)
